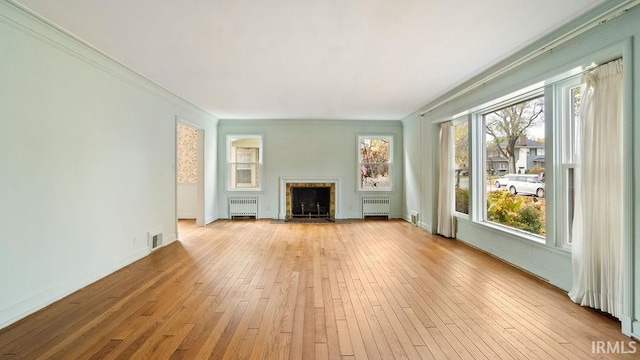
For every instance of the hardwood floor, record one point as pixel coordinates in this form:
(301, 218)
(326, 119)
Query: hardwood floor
(366, 289)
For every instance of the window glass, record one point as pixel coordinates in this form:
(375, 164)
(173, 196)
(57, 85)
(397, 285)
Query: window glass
(569, 119)
(461, 159)
(244, 162)
(513, 134)
(374, 163)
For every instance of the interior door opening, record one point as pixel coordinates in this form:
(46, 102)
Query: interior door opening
(189, 172)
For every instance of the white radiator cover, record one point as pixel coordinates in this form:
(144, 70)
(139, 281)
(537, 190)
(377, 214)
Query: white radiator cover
(243, 206)
(376, 206)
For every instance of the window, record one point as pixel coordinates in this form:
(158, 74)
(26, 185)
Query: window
(513, 130)
(510, 149)
(244, 162)
(461, 160)
(568, 104)
(374, 159)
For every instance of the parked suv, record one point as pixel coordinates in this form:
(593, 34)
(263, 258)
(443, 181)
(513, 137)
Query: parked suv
(503, 180)
(526, 184)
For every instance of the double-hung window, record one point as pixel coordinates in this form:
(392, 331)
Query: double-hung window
(374, 163)
(568, 97)
(244, 162)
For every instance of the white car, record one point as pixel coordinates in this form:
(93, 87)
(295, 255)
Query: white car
(526, 184)
(503, 180)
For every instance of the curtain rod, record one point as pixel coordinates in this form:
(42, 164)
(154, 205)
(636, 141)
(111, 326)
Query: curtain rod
(529, 90)
(610, 15)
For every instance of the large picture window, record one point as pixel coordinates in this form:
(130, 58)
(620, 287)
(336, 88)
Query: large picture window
(375, 154)
(514, 174)
(244, 162)
(511, 155)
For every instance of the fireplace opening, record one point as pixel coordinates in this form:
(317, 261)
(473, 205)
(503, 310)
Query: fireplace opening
(310, 202)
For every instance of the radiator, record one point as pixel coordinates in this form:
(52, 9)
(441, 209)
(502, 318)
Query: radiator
(375, 206)
(243, 206)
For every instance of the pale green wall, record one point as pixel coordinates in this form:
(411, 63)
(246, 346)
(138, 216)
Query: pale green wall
(87, 164)
(310, 149)
(618, 36)
(414, 156)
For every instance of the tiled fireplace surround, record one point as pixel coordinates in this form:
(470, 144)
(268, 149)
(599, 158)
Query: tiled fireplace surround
(287, 184)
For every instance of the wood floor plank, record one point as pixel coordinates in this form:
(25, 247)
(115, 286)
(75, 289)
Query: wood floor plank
(357, 290)
(331, 327)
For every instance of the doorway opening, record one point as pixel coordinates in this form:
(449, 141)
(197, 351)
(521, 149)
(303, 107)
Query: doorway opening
(189, 172)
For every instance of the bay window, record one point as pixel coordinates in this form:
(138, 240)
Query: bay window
(512, 142)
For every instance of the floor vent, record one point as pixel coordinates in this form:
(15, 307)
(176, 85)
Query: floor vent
(154, 240)
(243, 206)
(376, 206)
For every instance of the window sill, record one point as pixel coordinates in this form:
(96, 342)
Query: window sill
(517, 234)
(375, 190)
(253, 190)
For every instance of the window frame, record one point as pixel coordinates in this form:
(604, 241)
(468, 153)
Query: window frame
(566, 160)
(458, 121)
(478, 210)
(256, 164)
(359, 162)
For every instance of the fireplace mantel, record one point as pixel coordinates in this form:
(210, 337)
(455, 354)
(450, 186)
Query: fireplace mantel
(287, 182)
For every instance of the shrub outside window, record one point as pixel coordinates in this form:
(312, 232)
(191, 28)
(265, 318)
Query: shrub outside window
(513, 183)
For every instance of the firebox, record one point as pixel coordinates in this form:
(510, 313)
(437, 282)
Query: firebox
(310, 202)
(318, 196)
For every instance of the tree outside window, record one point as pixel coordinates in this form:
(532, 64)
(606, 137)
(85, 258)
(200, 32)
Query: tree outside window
(514, 175)
(374, 163)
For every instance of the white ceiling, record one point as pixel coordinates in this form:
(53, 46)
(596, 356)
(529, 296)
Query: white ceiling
(309, 59)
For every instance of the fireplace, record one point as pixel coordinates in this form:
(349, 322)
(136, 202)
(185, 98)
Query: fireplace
(309, 199)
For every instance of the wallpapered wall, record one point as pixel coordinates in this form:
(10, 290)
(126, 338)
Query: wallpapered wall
(187, 154)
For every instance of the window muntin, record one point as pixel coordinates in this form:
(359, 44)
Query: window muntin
(374, 163)
(511, 134)
(244, 162)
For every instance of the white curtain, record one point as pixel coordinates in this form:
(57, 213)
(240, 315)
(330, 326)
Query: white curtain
(597, 225)
(446, 181)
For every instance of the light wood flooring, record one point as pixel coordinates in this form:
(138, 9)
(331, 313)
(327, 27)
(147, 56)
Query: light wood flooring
(360, 290)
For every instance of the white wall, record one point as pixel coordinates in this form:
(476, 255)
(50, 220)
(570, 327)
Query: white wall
(311, 149)
(418, 164)
(413, 157)
(187, 201)
(608, 38)
(87, 155)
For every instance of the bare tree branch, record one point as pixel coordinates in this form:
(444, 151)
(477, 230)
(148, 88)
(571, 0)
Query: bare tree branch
(506, 126)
